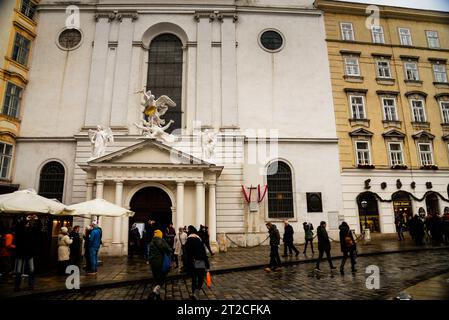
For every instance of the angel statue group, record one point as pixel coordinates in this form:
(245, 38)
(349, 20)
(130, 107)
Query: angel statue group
(152, 125)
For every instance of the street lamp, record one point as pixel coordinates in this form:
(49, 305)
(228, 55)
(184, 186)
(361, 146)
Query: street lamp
(364, 204)
(367, 236)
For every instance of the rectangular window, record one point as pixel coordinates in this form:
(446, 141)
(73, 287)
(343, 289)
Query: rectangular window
(5, 159)
(432, 39)
(21, 49)
(445, 111)
(28, 8)
(378, 34)
(439, 72)
(395, 149)
(347, 33)
(352, 66)
(411, 71)
(383, 69)
(405, 36)
(389, 106)
(357, 107)
(11, 103)
(418, 111)
(425, 153)
(362, 152)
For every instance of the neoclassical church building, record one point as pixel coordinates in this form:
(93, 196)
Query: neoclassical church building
(251, 84)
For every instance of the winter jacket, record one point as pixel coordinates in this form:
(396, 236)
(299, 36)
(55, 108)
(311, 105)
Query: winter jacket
(308, 229)
(158, 247)
(195, 250)
(75, 247)
(134, 237)
(170, 236)
(64, 243)
(27, 239)
(323, 239)
(7, 245)
(347, 241)
(288, 234)
(95, 238)
(275, 238)
(180, 241)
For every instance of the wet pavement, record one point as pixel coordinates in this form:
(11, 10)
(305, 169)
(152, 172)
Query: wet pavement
(125, 271)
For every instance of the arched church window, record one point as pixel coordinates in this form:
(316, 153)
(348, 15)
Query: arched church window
(280, 191)
(51, 182)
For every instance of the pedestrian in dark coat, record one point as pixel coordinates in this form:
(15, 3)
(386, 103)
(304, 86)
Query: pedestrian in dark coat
(446, 225)
(275, 240)
(158, 248)
(86, 248)
(348, 247)
(399, 223)
(288, 240)
(196, 260)
(203, 233)
(75, 247)
(418, 230)
(308, 232)
(149, 233)
(134, 240)
(324, 245)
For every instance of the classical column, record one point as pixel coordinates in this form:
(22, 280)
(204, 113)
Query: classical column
(119, 107)
(89, 190)
(100, 186)
(228, 74)
(118, 220)
(200, 204)
(179, 204)
(97, 76)
(212, 219)
(204, 71)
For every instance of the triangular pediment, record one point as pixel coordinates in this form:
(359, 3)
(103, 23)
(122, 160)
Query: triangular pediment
(360, 132)
(393, 134)
(147, 152)
(423, 135)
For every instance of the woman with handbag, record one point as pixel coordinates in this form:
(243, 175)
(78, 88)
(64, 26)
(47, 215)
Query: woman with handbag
(348, 246)
(159, 257)
(196, 261)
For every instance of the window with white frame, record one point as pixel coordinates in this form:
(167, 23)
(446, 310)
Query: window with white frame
(383, 69)
(439, 72)
(5, 160)
(389, 108)
(377, 33)
(411, 71)
(347, 33)
(11, 101)
(445, 111)
(425, 153)
(396, 155)
(432, 39)
(362, 153)
(357, 107)
(405, 36)
(419, 114)
(352, 66)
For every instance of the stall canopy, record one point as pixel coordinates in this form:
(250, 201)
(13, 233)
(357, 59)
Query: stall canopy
(97, 207)
(28, 201)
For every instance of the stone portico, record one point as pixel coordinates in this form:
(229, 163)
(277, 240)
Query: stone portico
(149, 163)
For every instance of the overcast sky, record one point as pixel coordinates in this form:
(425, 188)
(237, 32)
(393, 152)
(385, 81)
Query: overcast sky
(440, 5)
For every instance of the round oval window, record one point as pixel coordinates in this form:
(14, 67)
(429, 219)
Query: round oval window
(271, 40)
(69, 38)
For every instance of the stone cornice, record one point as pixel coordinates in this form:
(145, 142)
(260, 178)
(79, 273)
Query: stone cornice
(387, 45)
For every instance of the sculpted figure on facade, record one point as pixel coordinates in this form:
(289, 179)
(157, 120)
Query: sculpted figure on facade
(99, 139)
(208, 142)
(152, 125)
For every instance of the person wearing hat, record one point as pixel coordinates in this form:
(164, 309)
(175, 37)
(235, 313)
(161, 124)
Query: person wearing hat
(158, 248)
(64, 243)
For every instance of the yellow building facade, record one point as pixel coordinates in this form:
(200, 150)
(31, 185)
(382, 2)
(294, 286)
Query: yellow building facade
(17, 32)
(391, 100)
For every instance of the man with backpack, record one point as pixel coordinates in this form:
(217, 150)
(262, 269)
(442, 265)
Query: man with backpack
(348, 247)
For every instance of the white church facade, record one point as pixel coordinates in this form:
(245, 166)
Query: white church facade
(253, 76)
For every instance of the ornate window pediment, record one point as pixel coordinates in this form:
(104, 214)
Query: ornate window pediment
(423, 136)
(393, 134)
(361, 132)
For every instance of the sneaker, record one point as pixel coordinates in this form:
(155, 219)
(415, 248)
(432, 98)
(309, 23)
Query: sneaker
(268, 270)
(317, 269)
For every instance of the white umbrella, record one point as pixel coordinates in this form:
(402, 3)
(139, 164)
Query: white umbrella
(98, 207)
(24, 201)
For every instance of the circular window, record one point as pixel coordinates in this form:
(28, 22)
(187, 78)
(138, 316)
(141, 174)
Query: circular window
(69, 39)
(271, 40)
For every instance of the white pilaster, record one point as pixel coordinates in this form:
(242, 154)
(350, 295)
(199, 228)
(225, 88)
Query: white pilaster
(119, 108)
(212, 216)
(100, 187)
(204, 72)
(179, 204)
(89, 190)
(200, 205)
(117, 244)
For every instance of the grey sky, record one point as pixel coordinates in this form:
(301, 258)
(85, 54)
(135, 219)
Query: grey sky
(439, 5)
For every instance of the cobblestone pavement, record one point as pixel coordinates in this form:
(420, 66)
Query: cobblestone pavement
(398, 271)
(436, 288)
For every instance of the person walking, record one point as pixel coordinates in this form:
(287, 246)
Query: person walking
(348, 247)
(204, 235)
(134, 240)
(27, 242)
(196, 261)
(64, 243)
(418, 231)
(7, 247)
(86, 236)
(94, 246)
(158, 248)
(288, 240)
(275, 239)
(179, 246)
(149, 233)
(324, 246)
(399, 223)
(445, 220)
(308, 231)
(75, 247)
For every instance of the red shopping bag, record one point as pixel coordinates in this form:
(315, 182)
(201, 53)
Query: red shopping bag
(208, 279)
